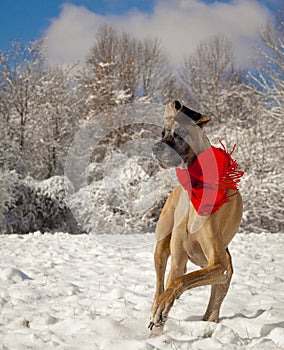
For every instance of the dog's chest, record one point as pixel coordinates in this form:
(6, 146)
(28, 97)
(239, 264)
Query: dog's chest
(186, 223)
(182, 211)
(186, 218)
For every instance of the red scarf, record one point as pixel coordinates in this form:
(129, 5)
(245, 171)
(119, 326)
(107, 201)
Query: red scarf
(209, 179)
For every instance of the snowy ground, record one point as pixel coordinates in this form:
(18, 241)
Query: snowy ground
(72, 292)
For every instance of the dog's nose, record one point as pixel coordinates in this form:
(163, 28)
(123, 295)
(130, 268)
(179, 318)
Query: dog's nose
(170, 143)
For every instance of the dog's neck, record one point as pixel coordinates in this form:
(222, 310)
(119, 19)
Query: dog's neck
(201, 144)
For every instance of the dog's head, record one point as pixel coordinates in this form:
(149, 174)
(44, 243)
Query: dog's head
(182, 137)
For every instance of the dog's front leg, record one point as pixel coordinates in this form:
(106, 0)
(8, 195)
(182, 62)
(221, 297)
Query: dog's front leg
(163, 235)
(162, 253)
(212, 274)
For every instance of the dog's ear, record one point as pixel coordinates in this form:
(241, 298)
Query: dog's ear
(185, 115)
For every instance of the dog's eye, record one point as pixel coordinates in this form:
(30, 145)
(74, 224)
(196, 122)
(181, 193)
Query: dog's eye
(165, 131)
(178, 133)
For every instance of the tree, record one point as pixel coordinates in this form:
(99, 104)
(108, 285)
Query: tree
(155, 77)
(121, 69)
(270, 73)
(56, 118)
(268, 83)
(20, 74)
(208, 74)
(38, 111)
(111, 77)
(7, 181)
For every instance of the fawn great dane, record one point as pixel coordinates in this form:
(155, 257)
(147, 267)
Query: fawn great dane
(199, 218)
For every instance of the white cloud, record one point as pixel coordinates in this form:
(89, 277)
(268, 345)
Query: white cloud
(70, 37)
(180, 24)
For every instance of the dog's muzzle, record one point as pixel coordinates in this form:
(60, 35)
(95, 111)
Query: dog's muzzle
(166, 155)
(158, 149)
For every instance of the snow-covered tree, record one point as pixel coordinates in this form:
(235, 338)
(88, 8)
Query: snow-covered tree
(38, 111)
(7, 181)
(263, 185)
(122, 68)
(20, 74)
(207, 76)
(155, 76)
(269, 76)
(56, 119)
(268, 83)
(111, 75)
(39, 206)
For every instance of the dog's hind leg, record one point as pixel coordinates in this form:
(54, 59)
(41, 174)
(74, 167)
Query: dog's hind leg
(218, 293)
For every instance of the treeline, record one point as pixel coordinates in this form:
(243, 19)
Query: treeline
(42, 107)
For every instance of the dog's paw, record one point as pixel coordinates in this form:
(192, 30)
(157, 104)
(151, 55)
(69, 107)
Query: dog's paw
(155, 331)
(161, 310)
(157, 322)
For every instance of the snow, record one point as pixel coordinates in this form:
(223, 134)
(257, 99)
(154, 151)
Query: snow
(105, 64)
(67, 291)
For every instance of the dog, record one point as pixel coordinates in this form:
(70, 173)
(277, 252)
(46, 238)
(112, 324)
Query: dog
(185, 234)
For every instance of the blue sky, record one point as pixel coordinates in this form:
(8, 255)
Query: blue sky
(26, 20)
